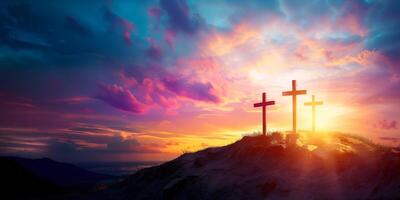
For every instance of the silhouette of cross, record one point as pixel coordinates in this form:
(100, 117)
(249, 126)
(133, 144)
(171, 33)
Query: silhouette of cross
(313, 103)
(294, 94)
(264, 105)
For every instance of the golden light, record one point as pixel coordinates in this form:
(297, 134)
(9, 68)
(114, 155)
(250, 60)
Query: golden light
(256, 76)
(328, 117)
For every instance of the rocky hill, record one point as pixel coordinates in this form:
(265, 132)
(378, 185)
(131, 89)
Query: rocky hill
(332, 166)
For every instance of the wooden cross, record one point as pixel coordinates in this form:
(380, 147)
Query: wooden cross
(294, 94)
(313, 103)
(264, 105)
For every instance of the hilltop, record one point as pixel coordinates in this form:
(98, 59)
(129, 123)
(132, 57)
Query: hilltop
(334, 166)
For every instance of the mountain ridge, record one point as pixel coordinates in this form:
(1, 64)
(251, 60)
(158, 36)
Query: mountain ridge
(44, 178)
(59, 173)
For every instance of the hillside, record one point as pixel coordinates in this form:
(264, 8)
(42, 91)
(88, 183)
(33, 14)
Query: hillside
(259, 167)
(61, 174)
(19, 183)
(24, 178)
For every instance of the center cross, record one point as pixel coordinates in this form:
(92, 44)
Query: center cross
(294, 94)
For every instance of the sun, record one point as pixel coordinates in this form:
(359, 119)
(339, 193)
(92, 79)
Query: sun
(329, 117)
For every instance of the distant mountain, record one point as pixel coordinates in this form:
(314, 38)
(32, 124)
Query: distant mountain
(22, 177)
(62, 174)
(17, 182)
(118, 168)
(335, 166)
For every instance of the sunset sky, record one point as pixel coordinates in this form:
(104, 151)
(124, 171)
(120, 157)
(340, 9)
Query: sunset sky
(148, 80)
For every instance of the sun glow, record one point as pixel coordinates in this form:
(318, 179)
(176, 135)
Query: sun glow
(256, 76)
(328, 117)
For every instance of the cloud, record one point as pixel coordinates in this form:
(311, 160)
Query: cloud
(169, 37)
(78, 144)
(73, 100)
(9, 101)
(155, 51)
(180, 16)
(155, 85)
(383, 20)
(20, 28)
(387, 94)
(120, 144)
(78, 26)
(118, 22)
(120, 98)
(89, 129)
(154, 12)
(193, 90)
(117, 144)
(387, 125)
(390, 139)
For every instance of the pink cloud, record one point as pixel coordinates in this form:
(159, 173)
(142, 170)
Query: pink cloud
(386, 125)
(74, 100)
(127, 29)
(193, 90)
(352, 24)
(10, 101)
(126, 80)
(126, 26)
(167, 90)
(169, 37)
(150, 91)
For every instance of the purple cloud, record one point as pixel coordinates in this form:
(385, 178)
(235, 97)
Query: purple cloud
(169, 37)
(120, 98)
(387, 125)
(155, 51)
(154, 12)
(193, 90)
(180, 17)
(120, 23)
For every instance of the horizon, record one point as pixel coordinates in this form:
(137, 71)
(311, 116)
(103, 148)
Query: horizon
(122, 81)
(307, 141)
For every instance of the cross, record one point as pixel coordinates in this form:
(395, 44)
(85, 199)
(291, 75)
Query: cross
(313, 103)
(294, 94)
(264, 105)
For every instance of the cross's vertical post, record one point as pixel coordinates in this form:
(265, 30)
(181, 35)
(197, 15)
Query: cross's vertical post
(294, 92)
(264, 105)
(294, 107)
(264, 113)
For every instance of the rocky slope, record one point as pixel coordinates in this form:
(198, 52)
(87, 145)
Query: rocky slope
(264, 167)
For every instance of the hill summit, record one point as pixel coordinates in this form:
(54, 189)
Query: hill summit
(330, 166)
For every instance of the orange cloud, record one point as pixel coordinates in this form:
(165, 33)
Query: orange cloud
(220, 44)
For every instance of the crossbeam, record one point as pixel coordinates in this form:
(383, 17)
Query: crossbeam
(264, 103)
(294, 92)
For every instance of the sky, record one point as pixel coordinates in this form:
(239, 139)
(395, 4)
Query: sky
(150, 80)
